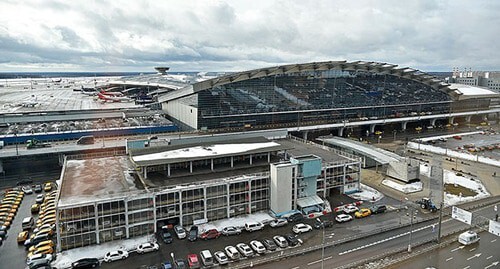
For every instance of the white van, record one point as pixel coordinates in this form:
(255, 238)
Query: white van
(467, 238)
(206, 258)
(253, 226)
(28, 223)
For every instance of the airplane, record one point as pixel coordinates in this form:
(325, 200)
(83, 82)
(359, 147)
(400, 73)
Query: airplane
(111, 98)
(89, 91)
(29, 103)
(116, 94)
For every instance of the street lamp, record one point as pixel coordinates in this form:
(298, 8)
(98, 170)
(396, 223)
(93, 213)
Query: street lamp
(412, 215)
(323, 226)
(17, 149)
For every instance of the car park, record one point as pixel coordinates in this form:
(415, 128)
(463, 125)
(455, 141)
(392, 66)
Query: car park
(193, 262)
(376, 209)
(147, 247)
(231, 230)
(363, 212)
(322, 223)
(269, 244)
(295, 217)
(350, 209)
(278, 223)
(221, 257)
(293, 240)
(244, 249)
(253, 226)
(280, 241)
(343, 218)
(180, 231)
(86, 263)
(257, 246)
(301, 228)
(115, 255)
(210, 234)
(45, 257)
(193, 233)
(37, 188)
(232, 252)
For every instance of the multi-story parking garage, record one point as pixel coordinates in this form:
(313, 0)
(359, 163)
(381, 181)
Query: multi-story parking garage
(315, 94)
(102, 199)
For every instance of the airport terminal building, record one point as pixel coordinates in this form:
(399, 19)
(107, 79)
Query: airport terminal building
(112, 198)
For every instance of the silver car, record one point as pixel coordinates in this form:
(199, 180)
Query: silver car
(244, 249)
(280, 241)
(180, 232)
(221, 257)
(231, 230)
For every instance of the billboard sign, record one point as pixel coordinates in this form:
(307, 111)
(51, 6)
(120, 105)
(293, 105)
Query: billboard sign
(461, 215)
(494, 227)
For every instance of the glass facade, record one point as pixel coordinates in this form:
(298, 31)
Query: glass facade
(319, 97)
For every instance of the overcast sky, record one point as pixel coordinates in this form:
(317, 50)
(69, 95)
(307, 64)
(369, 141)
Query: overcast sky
(133, 35)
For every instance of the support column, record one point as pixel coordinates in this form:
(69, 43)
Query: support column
(304, 135)
(191, 167)
(269, 157)
(372, 128)
(232, 161)
(467, 118)
(433, 122)
(96, 219)
(341, 131)
(451, 119)
(212, 164)
(145, 171)
(403, 125)
(251, 161)
(485, 117)
(168, 169)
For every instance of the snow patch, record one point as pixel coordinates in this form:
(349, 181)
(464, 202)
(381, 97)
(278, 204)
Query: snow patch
(404, 188)
(455, 154)
(451, 178)
(367, 193)
(425, 170)
(238, 221)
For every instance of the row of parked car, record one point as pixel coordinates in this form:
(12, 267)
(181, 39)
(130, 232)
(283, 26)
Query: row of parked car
(8, 209)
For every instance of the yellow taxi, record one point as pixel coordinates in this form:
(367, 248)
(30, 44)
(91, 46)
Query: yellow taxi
(7, 217)
(18, 193)
(363, 212)
(8, 209)
(42, 244)
(48, 221)
(11, 204)
(22, 236)
(48, 215)
(47, 187)
(11, 200)
(35, 208)
(45, 231)
(5, 223)
(42, 250)
(14, 195)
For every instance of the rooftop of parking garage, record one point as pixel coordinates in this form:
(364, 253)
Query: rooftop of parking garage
(298, 148)
(87, 180)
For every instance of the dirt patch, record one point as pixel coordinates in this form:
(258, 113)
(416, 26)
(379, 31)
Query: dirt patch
(457, 189)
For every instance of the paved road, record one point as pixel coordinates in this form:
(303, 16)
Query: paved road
(484, 254)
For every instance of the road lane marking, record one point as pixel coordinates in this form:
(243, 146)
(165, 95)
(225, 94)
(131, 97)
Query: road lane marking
(314, 262)
(327, 258)
(472, 257)
(296, 267)
(384, 240)
(489, 257)
(467, 267)
(449, 259)
(493, 264)
(493, 241)
(455, 249)
(472, 249)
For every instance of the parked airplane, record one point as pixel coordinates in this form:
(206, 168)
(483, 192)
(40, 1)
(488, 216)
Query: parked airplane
(111, 98)
(116, 94)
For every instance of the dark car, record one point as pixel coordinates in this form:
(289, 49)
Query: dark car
(295, 217)
(323, 223)
(210, 234)
(375, 209)
(269, 244)
(292, 239)
(180, 264)
(24, 181)
(3, 234)
(38, 188)
(86, 263)
(193, 233)
(166, 236)
(39, 264)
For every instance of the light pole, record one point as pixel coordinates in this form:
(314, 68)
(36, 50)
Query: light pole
(323, 226)
(412, 213)
(17, 149)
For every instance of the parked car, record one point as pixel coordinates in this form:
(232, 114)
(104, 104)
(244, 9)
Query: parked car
(343, 218)
(27, 189)
(166, 236)
(280, 241)
(244, 249)
(193, 233)
(210, 234)
(231, 230)
(35, 209)
(269, 244)
(295, 217)
(322, 223)
(86, 263)
(254, 226)
(180, 264)
(293, 240)
(42, 244)
(24, 181)
(232, 252)
(22, 236)
(278, 223)
(115, 255)
(301, 228)
(221, 257)
(47, 187)
(375, 209)
(147, 247)
(363, 212)
(193, 261)
(39, 264)
(166, 265)
(257, 246)
(45, 257)
(180, 231)
(350, 209)
(38, 188)
(39, 198)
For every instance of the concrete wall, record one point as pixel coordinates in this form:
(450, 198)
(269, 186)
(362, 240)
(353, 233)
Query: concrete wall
(274, 134)
(182, 112)
(404, 171)
(281, 187)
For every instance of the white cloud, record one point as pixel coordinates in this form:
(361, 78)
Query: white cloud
(193, 35)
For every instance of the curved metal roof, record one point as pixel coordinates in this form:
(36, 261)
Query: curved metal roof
(382, 68)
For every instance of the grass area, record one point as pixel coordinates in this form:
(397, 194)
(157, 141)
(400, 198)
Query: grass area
(450, 188)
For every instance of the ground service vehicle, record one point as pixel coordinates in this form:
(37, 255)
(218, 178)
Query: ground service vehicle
(86, 140)
(469, 237)
(426, 203)
(34, 143)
